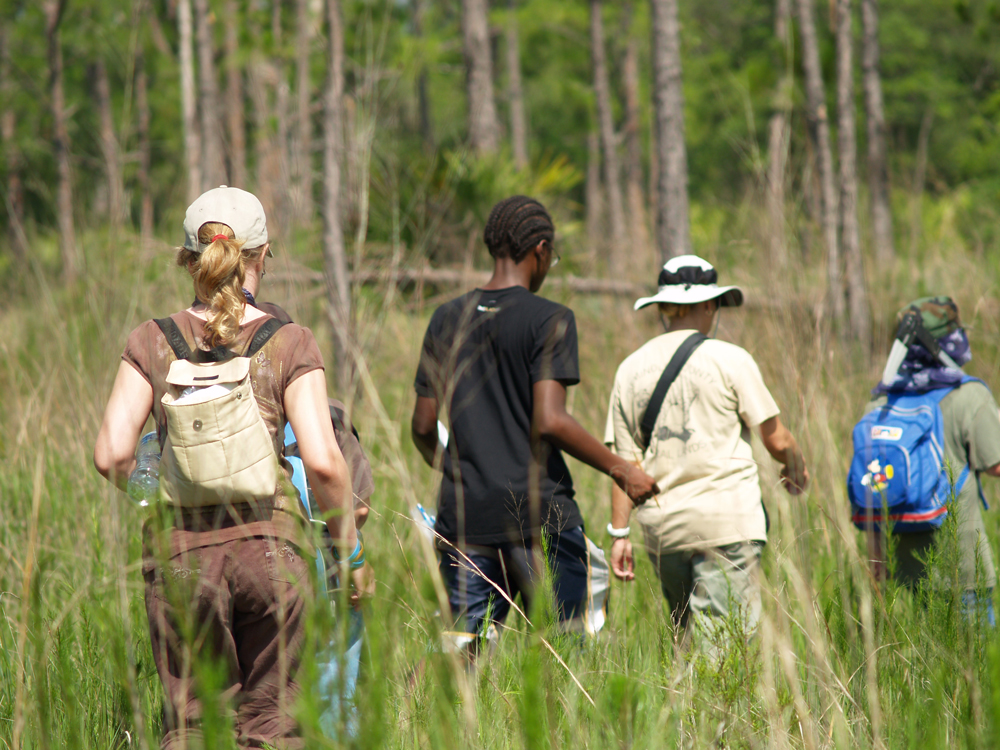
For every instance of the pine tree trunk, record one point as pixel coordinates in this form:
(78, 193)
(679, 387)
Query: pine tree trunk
(235, 110)
(302, 153)
(673, 232)
(484, 129)
(778, 133)
(69, 251)
(14, 198)
(859, 317)
(213, 165)
(423, 100)
(609, 150)
(594, 207)
(334, 253)
(189, 106)
(109, 146)
(819, 130)
(518, 120)
(142, 107)
(878, 170)
(285, 208)
(638, 233)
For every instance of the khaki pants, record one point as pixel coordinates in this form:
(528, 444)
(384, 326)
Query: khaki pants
(711, 583)
(236, 609)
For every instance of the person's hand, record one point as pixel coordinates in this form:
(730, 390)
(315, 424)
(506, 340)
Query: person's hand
(635, 483)
(362, 585)
(794, 479)
(622, 564)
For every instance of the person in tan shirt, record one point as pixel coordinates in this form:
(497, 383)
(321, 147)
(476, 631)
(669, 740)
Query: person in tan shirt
(707, 528)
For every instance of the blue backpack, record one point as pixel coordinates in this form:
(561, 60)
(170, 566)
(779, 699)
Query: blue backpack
(899, 463)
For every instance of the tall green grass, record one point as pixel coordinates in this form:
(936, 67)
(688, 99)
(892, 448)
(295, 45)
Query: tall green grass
(838, 661)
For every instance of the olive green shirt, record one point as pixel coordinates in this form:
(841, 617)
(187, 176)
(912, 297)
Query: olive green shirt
(971, 438)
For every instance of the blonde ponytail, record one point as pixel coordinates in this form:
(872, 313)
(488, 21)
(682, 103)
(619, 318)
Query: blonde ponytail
(218, 274)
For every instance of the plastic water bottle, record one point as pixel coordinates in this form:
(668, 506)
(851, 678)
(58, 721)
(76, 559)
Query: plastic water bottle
(144, 483)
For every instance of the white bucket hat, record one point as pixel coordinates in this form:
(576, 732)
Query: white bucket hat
(688, 280)
(237, 209)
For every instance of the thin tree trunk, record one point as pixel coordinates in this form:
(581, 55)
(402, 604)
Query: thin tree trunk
(778, 139)
(878, 171)
(235, 110)
(302, 153)
(423, 100)
(285, 208)
(142, 106)
(213, 165)
(109, 145)
(594, 207)
(338, 283)
(518, 120)
(673, 232)
(859, 317)
(8, 141)
(819, 128)
(484, 128)
(633, 148)
(69, 251)
(609, 151)
(189, 106)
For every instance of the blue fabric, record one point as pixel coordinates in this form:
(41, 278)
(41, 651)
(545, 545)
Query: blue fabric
(922, 372)
(978, 610)
(899, 462)
(511, 567)
(338, 672)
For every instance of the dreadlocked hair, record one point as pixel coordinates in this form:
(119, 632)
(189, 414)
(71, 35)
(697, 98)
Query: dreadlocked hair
(218, 273)
(516, 225)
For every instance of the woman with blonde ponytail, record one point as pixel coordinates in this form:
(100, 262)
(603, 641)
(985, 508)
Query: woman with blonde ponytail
(227, 583)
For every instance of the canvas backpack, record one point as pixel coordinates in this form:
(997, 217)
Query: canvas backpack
(218, 449)
(899, 467)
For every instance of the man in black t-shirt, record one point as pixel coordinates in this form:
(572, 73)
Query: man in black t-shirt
(494, 369)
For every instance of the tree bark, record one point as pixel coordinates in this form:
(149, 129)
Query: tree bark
(189, 106)
(423, 100)
(859, 318)
(778, 139)
(484, 129)
(338, 284)
(54, 10)
(302, 171)
(142, 107)
(8, 140)
(518, 120)
(109, 146)
(673, 232)
(639, 235)
(594, 207)
(285, 208)
(213, 165)
(609, 150)
(819, 130)
(878, 171)
(235, 111)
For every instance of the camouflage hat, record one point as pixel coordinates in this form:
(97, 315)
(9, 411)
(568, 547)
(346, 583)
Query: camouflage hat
(938, 314)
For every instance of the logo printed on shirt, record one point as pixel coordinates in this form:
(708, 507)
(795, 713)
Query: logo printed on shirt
(880, 432)
(488, 308)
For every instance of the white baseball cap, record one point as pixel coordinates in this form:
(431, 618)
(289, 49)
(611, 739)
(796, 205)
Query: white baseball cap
(688, 280)
(237, 209)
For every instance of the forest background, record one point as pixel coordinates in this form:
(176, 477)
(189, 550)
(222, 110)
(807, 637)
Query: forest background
(833, 167)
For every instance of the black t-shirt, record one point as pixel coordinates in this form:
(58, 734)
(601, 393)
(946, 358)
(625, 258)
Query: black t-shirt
(482, 354)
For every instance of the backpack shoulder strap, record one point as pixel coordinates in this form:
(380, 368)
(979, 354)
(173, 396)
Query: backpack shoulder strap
(673, 369)
(263, 335)
(173, 335)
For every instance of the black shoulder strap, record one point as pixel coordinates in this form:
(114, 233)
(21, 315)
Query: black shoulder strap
(263, 335)
(173, 335)
(674, 367)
